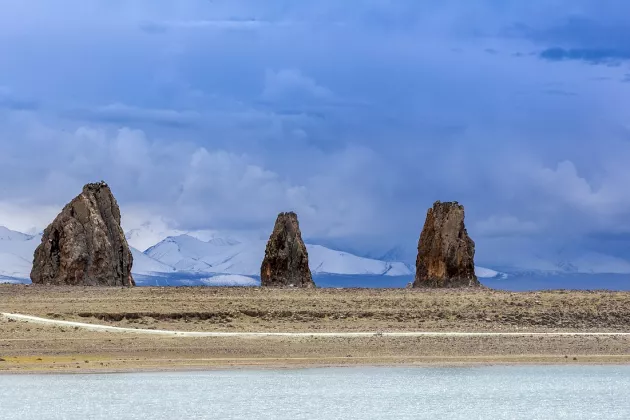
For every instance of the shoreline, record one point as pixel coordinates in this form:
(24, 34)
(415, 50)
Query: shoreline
(265, 364)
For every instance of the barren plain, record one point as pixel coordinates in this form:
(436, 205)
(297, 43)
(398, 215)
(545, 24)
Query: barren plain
(32, 347)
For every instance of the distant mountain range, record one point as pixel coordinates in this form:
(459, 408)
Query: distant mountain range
(229, 258)
(16, 257)
(189, 254)
(208, 258)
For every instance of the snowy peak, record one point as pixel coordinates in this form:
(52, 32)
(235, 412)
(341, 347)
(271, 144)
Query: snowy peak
(224, 241)
(324, 260)
(16, 253)
(183, 255)
(143, 264)
(187, 253)
(190, 254)
(11, 235)
(487, 273)
(147, 235)
(153, 232)
(17, 250)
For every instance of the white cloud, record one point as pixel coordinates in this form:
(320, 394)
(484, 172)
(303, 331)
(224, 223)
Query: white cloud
(26, 218)
(359, 116)
(565, 182)
(190, 186)
(607, 198)
(291, 85)
(505, 226)
(236, 190)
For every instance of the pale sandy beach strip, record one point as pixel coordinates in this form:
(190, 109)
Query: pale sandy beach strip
(172, 333)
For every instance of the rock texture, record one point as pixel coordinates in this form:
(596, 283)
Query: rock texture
(445, 251)
(286, 258)
(85, 244)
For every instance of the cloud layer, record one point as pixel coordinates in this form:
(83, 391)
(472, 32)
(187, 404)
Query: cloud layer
(217, 115)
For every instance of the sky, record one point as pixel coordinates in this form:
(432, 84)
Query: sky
(357, 115)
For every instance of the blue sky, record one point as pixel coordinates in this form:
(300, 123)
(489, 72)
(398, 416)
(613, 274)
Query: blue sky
(357, 115)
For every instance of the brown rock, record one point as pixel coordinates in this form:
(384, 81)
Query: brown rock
(445, 252)
(85, 244)
(286, 258)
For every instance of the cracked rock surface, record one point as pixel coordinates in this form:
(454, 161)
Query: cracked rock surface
(85, 244)
(445, 251)
(286, 259)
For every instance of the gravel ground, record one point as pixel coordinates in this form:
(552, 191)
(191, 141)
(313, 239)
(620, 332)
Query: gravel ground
(27, 347)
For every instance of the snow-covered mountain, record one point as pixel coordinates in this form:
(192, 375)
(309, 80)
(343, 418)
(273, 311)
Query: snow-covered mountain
(11, 235)
(16, 253)
(190, 254)
(216, 260)
(143, 264)
(233, 258)
(17, 249)
(148, 234)
(581, 263)
(487, 273)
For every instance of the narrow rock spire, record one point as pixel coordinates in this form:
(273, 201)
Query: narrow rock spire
(445, 251)
(286, 259)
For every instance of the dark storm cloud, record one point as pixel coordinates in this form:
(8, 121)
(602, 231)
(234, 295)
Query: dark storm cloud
(356, 114)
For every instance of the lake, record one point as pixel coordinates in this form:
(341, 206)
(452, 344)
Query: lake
(514, 392)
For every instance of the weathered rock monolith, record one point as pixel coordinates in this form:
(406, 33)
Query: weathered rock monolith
(85, 244)
(286, 258)
(445, 251)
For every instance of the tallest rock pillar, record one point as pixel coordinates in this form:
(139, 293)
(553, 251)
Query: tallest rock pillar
(85, 244)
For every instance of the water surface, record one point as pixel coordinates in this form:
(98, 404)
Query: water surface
(530, 392)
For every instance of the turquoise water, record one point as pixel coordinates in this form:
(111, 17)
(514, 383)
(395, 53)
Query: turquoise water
(531, 392)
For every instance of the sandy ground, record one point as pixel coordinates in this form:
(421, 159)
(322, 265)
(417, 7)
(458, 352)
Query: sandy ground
(32, 347)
